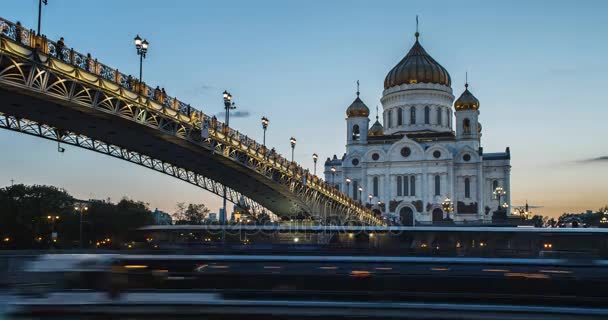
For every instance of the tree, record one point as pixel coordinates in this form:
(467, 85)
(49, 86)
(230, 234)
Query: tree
(539, 221)
(190, 214)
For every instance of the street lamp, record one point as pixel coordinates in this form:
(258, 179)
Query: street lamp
(52, 219)
(448, 206)
(81, 208)
(264, 126)
(40, 2)
(360, 191)
(505, 206)
(314, 159)
(333, 176)
(370, 199)
(142, 49)
(498, 193)
(348, 180)
(292, 141)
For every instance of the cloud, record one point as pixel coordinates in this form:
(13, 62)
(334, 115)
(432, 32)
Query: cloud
(602, 159)
(200, 89)
(234, 114)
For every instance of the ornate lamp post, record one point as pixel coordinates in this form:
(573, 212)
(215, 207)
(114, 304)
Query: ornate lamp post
(448, 207)
(292, 141)
(348, 180)
(333, 176)
(498, 193)
(264, 127)
(40, 2)
(314, 159)
(370, 199)
(142, 49)
(81, 209)
(360, 191)
(228, 105)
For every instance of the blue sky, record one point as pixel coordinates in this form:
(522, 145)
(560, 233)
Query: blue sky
(538, 68)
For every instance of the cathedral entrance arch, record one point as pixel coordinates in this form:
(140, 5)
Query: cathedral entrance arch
(406, 216)
(437, 215)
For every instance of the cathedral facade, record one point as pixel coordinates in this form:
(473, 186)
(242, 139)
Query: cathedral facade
(425, 163)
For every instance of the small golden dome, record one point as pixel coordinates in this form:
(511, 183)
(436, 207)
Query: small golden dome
(376, 130)
(466, 101)
(357, 109)
(417, 67)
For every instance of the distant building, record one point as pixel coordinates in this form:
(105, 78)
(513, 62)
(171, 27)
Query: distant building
(212, 216)
(162, 218)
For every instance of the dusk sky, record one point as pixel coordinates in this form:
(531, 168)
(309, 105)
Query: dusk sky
(538, 68)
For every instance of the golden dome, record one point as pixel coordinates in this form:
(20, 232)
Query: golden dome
(357, 109)
(417, 67)
(376, 130)
(466, 101)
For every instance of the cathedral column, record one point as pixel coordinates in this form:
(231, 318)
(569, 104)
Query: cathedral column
(387, 188)
(424, 186)
(479, 181)
(451, 184)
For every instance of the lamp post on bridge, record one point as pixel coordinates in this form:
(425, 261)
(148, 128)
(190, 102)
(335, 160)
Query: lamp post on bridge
(228, 105)
(81, 209)
(348, 180)
(264, 126)
(314, 159)
(40, 2)
(52, 219)
(292, 141)
(142, 49)
(370, 199)
(333, 177)
(448, 207)
(360, 192)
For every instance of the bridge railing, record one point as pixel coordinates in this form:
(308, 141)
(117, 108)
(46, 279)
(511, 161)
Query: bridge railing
(181, 111)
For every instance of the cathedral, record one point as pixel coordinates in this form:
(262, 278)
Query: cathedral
(424, 164)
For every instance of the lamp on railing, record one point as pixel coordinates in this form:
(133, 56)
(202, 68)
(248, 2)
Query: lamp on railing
(360, 192)
(264, 127)
(333, 176)
(40, 2)
(142, 49)
(315, 157)
(292, 141)
(370, 196)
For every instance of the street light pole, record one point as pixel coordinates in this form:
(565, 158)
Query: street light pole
(142, 49)
(360, 192)
(40, 2)
(81, 209)
(52, 219)
(292, 141)
(333, 177)
(448, 207)
(314, 159)
(264, 126)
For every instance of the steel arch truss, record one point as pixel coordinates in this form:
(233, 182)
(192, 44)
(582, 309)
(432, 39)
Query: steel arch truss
(47, 132)
(48, 78)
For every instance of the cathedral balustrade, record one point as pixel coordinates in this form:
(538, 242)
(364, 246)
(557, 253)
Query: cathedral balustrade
(66, 60)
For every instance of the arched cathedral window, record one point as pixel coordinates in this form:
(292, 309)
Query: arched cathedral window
(427, 115)
(466, 126)
(439, 116)
(467, 187)
(449, 116)
(356, 133)
(437, 185)
(413, 115)
(390, 118)
(399, 117)
(375, 186)
(412, 185)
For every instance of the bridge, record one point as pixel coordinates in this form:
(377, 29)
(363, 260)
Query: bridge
(56, 93)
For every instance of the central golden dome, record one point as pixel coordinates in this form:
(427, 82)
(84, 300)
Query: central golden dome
(417, 67)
